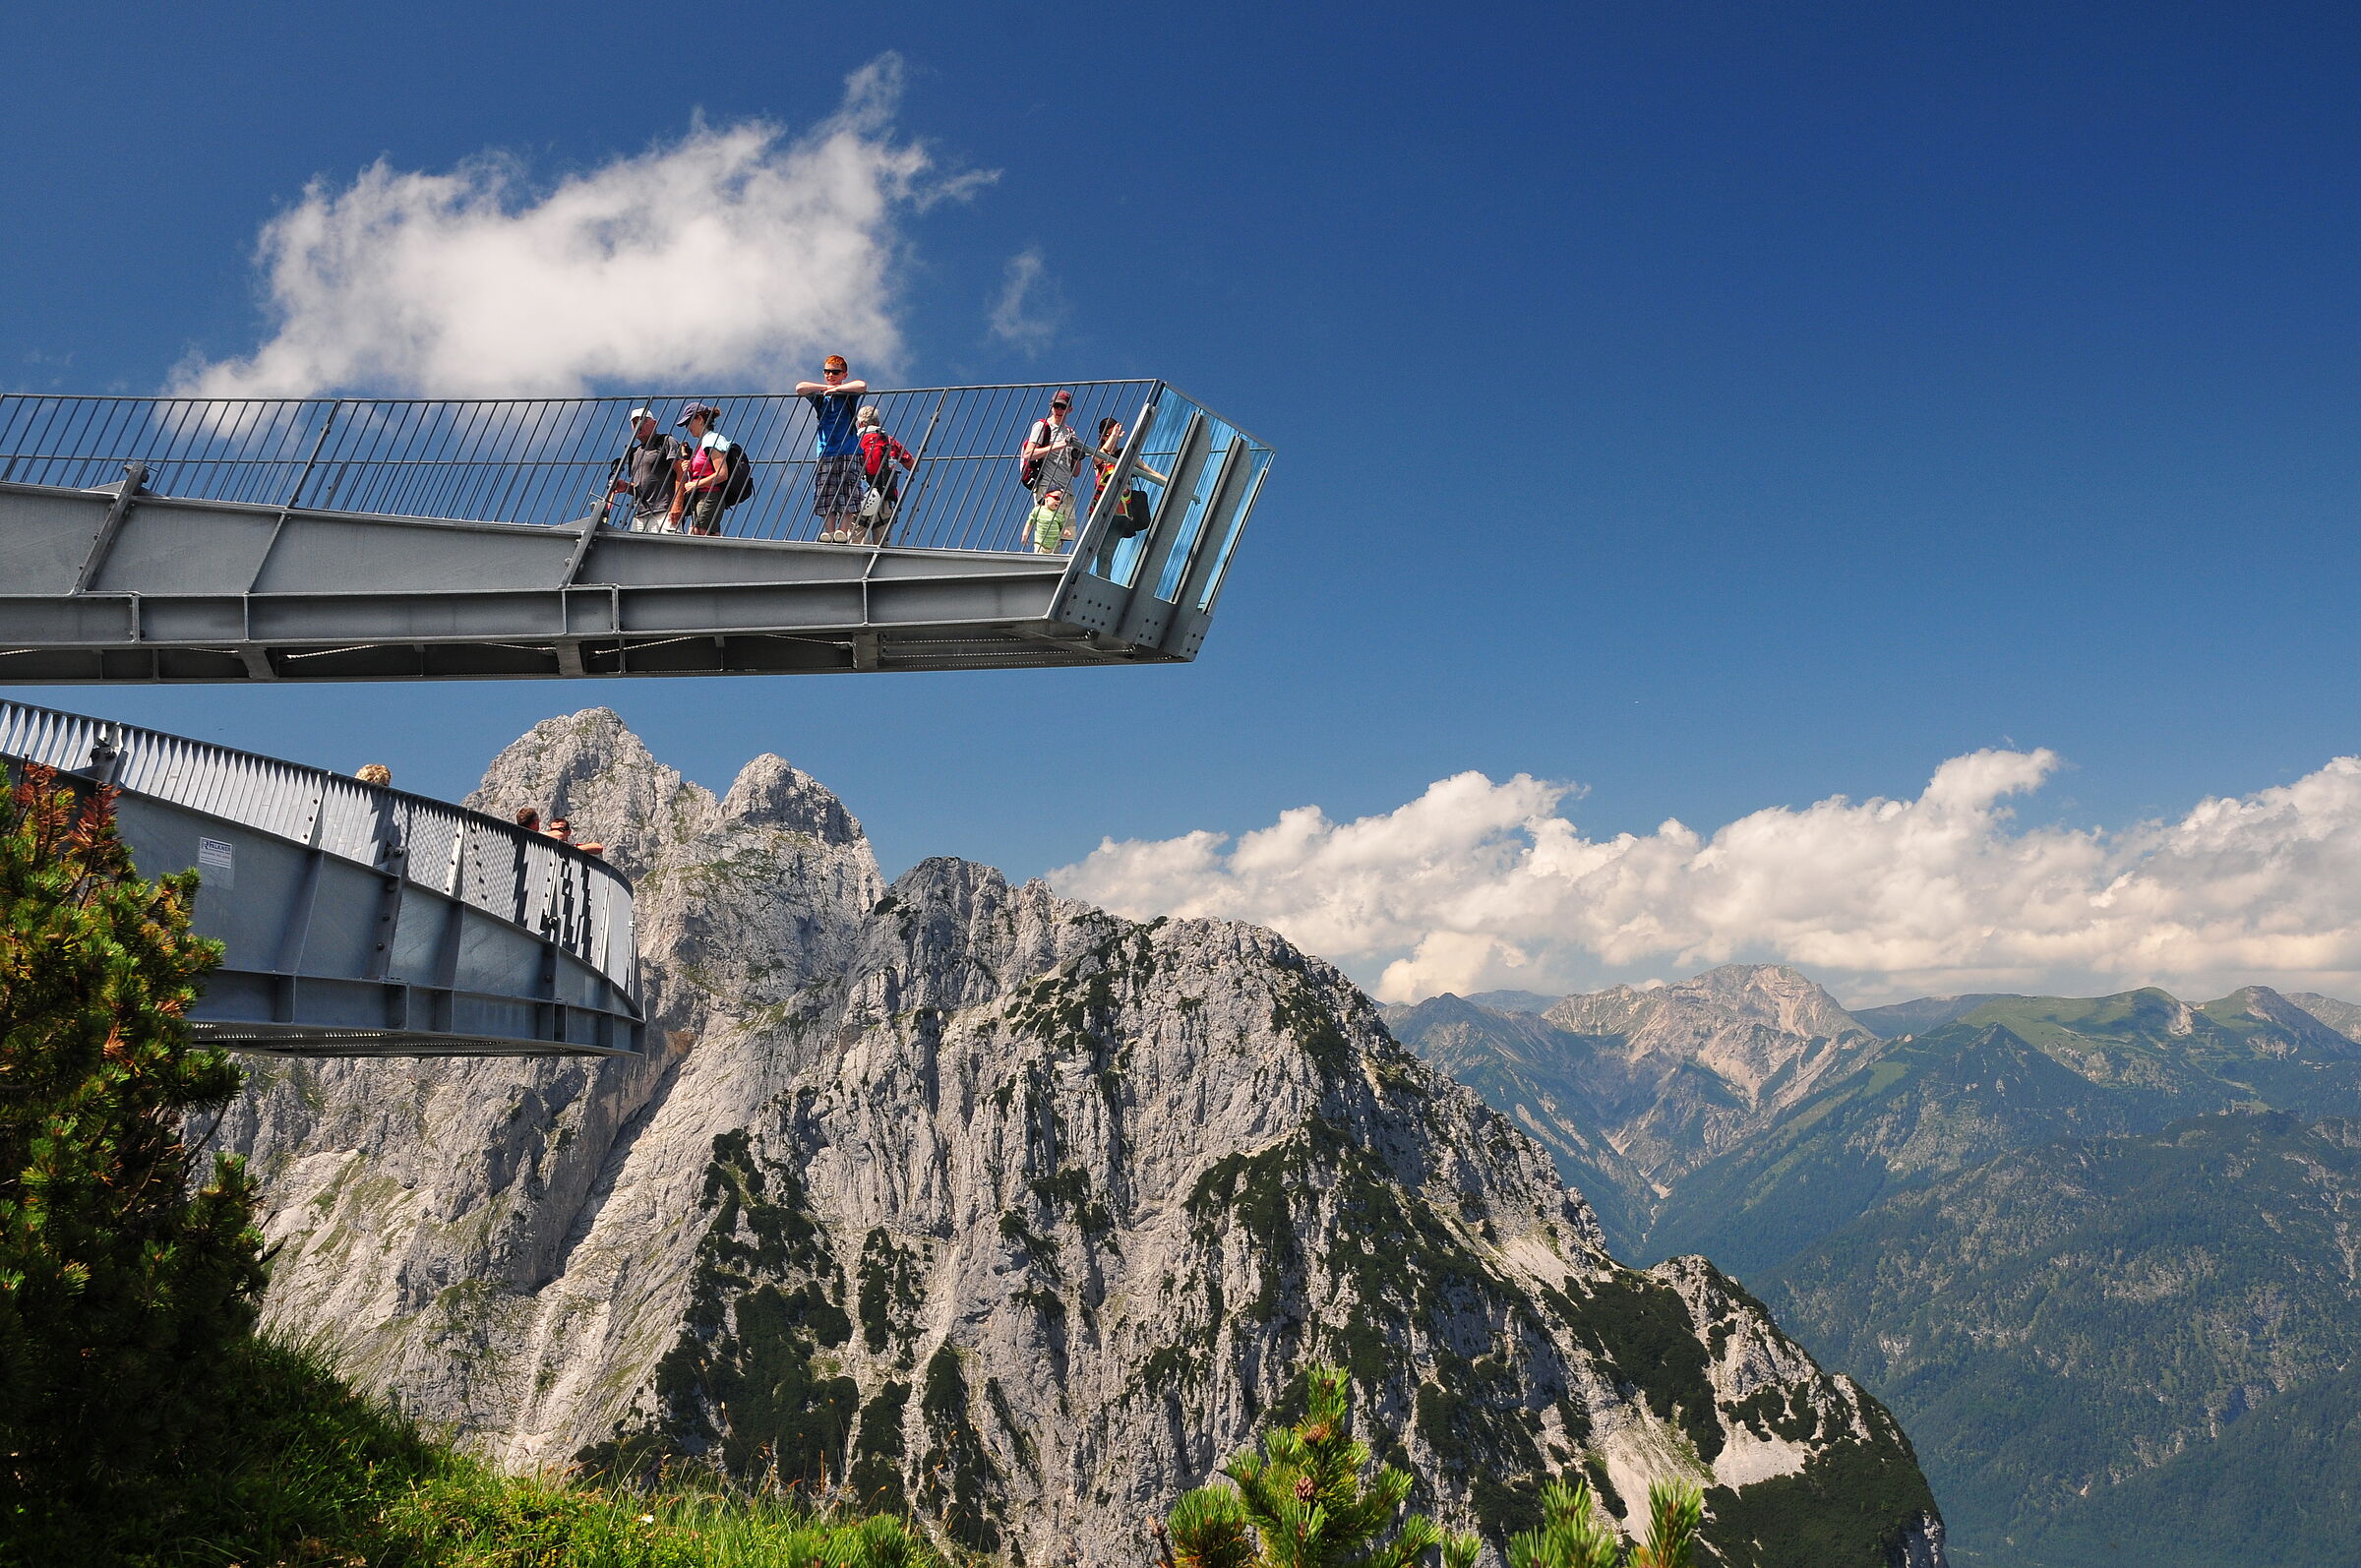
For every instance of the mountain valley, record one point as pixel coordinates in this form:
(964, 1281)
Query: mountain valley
(1888, 1181)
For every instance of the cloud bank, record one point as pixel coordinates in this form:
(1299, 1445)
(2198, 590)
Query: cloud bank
(735, 254)
(1477, 884)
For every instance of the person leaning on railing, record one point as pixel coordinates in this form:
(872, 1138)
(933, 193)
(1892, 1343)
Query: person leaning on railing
(837, 480)
(563, 831)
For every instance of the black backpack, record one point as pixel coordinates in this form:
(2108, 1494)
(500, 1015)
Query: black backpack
(740, 485)
(1028, 471)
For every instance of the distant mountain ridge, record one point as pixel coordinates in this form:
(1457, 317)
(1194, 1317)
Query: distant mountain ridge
(1667, 1102)
(1921, 1013)
(1746, 1116)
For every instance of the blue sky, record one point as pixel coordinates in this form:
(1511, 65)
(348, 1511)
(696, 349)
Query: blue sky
(1713, 406)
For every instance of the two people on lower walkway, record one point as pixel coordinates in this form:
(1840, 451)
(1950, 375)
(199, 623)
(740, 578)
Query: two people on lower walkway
(557, 827)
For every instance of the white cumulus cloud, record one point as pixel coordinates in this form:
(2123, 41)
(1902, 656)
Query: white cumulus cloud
(1478, 884)
(1018, 316)
(736, 253)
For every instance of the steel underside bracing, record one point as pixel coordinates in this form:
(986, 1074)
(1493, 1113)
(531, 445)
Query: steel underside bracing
(190, 590)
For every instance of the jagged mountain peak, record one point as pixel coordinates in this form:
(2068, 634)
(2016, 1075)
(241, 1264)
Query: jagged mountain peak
(1672, 1017)
(771, 792)
(591, 767)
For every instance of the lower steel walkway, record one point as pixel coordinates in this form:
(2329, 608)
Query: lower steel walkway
(358, 920)
(163, 539)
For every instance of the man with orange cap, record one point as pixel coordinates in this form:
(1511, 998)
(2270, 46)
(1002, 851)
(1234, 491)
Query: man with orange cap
(837, 484)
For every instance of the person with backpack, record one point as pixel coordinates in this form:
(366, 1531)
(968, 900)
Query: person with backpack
(714, 476)
(1053, 453)
(878, 454)
(836, 484)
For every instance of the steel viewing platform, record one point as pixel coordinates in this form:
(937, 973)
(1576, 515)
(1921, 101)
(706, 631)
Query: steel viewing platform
(148, 540)
(359, 920)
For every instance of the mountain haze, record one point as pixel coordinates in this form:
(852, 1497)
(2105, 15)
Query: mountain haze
(2188, 1325)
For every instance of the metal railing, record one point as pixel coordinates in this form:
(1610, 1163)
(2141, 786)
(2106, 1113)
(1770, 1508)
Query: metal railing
(552, 889)
(550, 461)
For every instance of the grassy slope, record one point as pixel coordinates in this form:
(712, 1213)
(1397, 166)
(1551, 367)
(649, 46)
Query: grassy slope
(306, 1472)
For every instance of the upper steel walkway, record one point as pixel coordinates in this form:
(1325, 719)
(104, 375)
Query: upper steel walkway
(148, 540)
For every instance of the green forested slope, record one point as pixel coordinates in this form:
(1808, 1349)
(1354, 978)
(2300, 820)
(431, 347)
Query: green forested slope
(2114, 1333)
(2117, 1348)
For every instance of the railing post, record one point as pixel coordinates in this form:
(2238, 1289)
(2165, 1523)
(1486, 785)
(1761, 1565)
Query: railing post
(325, 425)
(917, 461)
(135, 476)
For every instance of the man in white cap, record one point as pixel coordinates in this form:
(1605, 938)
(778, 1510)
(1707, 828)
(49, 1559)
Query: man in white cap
(644, 476)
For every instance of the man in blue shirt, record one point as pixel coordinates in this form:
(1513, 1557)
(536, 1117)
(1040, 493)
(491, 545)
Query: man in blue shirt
(837, 485)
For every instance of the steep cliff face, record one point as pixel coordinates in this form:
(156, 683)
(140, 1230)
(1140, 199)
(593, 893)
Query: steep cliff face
(972, 1198)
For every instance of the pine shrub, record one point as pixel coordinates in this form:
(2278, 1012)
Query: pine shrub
(123, 1281)
(1302, 1503)
(1572, 1535)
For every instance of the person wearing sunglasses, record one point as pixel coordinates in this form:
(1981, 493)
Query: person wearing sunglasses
(838, 482)
(1053, 453)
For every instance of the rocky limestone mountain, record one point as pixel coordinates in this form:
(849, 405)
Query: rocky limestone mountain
(967, 1198)
(2341, 1016)
(1524, 1067)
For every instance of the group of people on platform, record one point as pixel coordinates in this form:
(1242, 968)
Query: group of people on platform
(670, 484)
(557, 827)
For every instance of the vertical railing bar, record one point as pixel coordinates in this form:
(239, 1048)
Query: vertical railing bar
(327, 423)
(375, 485)
(466, 462)
(917, 462)
(412, 493)
(539, 416)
